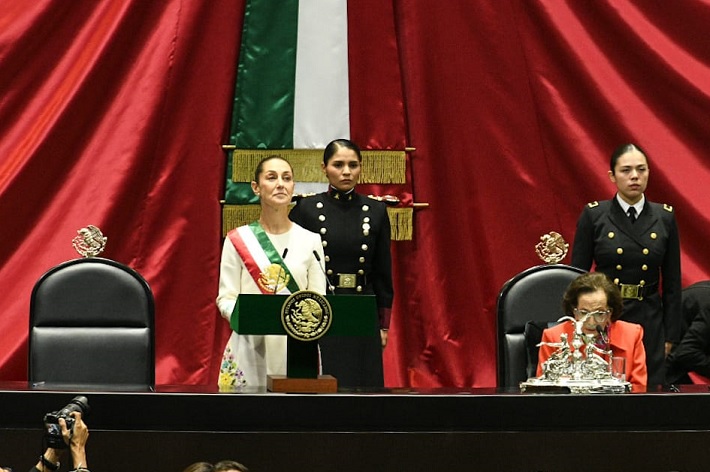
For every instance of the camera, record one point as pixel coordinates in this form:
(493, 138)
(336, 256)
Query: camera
(53, 432)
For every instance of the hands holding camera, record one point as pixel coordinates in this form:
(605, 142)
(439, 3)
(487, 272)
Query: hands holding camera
(75, 439)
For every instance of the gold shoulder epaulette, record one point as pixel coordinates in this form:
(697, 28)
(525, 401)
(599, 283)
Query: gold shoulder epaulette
(668, 208)
(297, 197)
(388, 199)
(593, 204)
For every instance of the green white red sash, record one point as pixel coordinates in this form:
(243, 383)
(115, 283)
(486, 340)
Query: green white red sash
(265, 265)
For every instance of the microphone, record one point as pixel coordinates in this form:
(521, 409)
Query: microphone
(281, 270)
(603, 336)
(330, 288)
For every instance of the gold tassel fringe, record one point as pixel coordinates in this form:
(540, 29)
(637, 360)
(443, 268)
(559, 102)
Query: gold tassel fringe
(383, 167)
(234, 216)
(378, 167)
(305, 163)
(401, 223)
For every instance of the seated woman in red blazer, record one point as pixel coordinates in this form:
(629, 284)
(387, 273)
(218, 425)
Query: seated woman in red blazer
(594, 296)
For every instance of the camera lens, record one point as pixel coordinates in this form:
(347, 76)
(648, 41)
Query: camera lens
(79, 404)
(53, 432)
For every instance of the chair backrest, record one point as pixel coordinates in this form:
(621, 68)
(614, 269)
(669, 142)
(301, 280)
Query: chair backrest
(695, 298)
(533, 295)
(91, 326)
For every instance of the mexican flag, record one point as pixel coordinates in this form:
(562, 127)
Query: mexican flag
(311, 71)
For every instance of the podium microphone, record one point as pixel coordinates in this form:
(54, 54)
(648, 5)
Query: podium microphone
(281, 270)
(330, 288)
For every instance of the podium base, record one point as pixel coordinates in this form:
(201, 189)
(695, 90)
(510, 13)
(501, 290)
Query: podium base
(283, 384)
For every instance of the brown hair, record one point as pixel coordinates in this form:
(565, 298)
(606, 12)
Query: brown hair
(221, 466)
(590, 283)
(199, 467)
(260, 165)
(224, 466)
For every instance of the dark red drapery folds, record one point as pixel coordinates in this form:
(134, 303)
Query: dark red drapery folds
(113, 113)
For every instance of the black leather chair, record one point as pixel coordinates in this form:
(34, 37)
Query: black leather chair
(532, 299)
(91, 327)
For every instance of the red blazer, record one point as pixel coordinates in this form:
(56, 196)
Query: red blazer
(625, 340)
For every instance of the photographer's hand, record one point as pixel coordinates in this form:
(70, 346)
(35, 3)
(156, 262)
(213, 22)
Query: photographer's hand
(66, 434)
(51, 460)
(77, 441)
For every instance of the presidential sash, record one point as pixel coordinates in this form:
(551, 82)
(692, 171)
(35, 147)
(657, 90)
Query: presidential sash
(262, 260)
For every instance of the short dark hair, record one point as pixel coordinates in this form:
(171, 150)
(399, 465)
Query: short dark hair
(589, 283)
(260, 165)
(341, 143)
(623, 149)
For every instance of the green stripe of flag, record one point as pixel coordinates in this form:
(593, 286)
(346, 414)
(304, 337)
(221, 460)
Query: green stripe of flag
(264, 94)
(263, 101)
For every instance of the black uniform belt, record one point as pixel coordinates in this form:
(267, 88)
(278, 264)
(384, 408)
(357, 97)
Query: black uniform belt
(637, 292)
(350, 280)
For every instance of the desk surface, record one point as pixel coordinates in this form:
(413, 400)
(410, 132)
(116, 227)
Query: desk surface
(193, 408)
(396, 429)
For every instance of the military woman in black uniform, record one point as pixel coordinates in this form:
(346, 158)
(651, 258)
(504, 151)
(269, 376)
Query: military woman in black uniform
(355, 231)
(635, 242)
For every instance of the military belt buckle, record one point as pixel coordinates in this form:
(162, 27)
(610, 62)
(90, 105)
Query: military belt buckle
(347, 281)
(630, 291)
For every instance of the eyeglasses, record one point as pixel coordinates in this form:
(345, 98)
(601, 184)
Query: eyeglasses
(599, 315)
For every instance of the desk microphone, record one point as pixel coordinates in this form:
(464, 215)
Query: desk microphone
(281, 270)
(603, 336)
(330, 288)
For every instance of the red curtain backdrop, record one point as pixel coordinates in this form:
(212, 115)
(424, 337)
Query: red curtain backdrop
(113, 113)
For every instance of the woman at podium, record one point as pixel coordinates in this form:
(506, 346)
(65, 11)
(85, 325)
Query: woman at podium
(356, 238)
(270, 256)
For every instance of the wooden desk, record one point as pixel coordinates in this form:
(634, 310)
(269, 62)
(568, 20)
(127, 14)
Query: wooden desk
(395, 429)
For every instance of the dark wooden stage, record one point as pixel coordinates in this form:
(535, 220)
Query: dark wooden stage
(391, 430)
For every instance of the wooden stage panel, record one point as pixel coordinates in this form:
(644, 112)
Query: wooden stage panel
(390, 430)
(112, 451)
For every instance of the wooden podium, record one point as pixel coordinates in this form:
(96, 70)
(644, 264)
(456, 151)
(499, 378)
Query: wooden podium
(352, 315)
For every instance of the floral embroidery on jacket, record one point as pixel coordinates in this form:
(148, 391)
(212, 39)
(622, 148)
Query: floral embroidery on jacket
(230, 375)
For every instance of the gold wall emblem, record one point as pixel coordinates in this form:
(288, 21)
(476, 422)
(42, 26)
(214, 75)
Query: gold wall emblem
(89, 241)
(552, 248)
(306, 315)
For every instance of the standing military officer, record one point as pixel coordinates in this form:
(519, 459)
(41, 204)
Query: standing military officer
(355, 231)
(636, 243)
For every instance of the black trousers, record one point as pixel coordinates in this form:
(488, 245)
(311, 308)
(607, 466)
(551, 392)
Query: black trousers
(356, 362)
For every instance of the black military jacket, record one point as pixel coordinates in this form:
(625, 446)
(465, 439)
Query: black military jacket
(355, 231)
